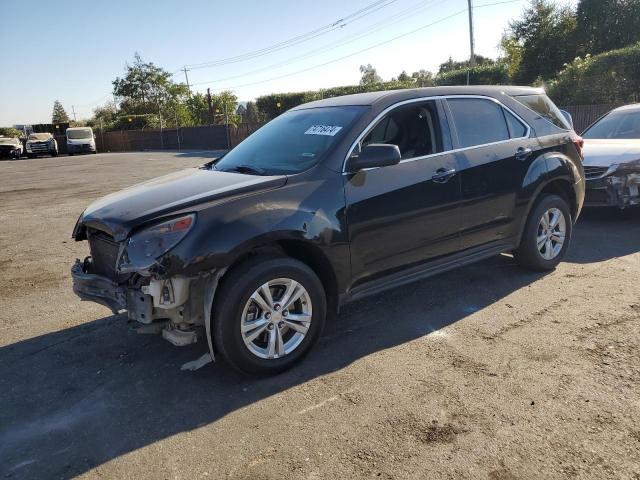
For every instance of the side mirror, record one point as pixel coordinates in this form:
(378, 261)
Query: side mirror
(567, 117)
(374, 155)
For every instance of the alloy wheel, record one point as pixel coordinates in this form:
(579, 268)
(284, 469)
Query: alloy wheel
(552, 231)
(276, 318)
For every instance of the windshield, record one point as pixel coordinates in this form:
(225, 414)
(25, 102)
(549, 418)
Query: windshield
(615, 125)
(9, 141)
(39, 136)
(77, 134)
(292, 143)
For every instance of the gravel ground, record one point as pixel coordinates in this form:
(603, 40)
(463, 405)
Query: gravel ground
(486, 372)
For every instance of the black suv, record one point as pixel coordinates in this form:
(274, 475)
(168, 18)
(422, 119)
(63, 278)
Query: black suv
(330, 202)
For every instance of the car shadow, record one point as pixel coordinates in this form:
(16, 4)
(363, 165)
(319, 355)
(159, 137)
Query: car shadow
(75, 399)
(210, 154)
(605, 233)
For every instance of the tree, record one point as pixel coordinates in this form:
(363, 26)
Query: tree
(546, 33)
(511, 54)
(198, 108)
(604, 25)
(59, 115)
(369, 75)
(423, 78)
(450, 65)
(10, 132)
(242, 112)
(404, 77)
(104, 115)
(146, 87)
(253, 114)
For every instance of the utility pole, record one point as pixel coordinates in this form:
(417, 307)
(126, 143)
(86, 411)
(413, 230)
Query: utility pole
(177, 129)
(226, 121)
(210, 106)
(74, 112)
(472, 60)
(187, 79)
(102, 133)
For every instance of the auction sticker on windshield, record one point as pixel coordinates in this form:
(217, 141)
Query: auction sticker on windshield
(323, 130)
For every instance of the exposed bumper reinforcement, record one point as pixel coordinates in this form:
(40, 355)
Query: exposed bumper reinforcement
(95, 288)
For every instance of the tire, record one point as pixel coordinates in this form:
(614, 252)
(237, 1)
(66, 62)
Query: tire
(71, 154)
(232, 302)
(543, 259)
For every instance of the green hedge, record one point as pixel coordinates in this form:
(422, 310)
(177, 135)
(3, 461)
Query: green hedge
(611, 77)
(495, 74)
(273, 105)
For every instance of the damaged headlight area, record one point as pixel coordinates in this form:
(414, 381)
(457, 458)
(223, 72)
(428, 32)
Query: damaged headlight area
(121, 276)
(619, 187)
(142, 249)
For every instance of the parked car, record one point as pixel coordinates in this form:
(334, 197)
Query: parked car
(80, 140)
(612, 159)
(10, 147)
(333, 201)
(41, 144)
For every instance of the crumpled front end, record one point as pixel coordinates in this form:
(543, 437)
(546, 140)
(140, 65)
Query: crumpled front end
(614, 186)
(173, 306)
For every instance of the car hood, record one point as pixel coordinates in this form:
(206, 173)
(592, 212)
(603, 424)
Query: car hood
(120, 212)
(604, 153)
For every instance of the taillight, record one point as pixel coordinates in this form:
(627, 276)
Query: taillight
(578, 142)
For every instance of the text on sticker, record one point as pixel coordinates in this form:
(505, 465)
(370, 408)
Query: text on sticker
(329, 130)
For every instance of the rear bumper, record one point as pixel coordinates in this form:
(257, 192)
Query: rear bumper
(95, 288)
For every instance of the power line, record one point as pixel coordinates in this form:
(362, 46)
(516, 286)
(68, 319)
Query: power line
(371, 29)
(340, 23)
(465, 10)
(341, 41)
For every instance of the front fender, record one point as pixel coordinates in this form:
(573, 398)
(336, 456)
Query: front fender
(304, 211)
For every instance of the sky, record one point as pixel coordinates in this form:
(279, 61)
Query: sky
(72, 50)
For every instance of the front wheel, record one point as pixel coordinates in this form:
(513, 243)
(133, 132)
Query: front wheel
(268, 314)
(546, 235)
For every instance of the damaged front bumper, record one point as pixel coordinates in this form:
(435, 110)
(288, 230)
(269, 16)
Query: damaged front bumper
(618, 187)
(175, 307)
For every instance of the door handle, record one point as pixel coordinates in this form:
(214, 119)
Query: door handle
(523, 153)
(443, 175)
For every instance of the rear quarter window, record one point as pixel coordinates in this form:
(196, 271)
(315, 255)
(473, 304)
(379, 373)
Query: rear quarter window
(543, 106)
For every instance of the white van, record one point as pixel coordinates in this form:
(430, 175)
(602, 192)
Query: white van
(80, 140)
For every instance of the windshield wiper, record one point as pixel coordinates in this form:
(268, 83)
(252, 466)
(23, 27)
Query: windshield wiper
(248, 169)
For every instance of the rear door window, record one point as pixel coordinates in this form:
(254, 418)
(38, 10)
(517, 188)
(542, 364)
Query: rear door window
(478, 121)
(543, 106)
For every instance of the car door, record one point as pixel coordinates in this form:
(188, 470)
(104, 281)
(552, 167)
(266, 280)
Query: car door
(494, 155)
(404, 214)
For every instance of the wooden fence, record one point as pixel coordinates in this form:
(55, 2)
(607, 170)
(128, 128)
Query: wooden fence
(585, 115)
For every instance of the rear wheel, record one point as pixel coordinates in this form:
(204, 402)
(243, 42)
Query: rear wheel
(546, 235)
(268, 314)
